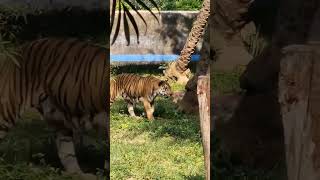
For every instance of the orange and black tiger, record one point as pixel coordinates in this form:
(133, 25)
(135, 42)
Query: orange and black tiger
(134, 88)
(66, 80)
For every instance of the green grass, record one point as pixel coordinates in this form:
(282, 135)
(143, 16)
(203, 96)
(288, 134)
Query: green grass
(28, 152)
(226, 82)
(177, 87)
(167, 148)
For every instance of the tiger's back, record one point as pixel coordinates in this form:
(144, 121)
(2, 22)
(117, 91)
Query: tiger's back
(73, 73)
(137, 86)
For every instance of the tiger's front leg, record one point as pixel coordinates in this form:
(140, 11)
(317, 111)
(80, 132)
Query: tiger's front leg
(149, 108)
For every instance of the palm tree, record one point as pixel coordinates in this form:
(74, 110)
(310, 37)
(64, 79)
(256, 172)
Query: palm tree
(124, 7)
(178, 70)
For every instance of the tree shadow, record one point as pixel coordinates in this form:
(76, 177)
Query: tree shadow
(169, 121)
(177, 36)
(142, 69)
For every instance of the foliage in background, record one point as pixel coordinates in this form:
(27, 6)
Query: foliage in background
(9, 16)
(187, 5)
(169, 5)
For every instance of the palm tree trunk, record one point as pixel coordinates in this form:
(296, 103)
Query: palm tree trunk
(189, 102)
(223, 11)
(179, 69)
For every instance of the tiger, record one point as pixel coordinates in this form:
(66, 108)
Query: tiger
(134, 88)
(66, 80)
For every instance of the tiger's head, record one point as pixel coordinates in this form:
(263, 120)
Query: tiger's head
(164, 89)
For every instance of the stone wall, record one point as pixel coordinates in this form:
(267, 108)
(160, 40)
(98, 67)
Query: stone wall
(166, 37)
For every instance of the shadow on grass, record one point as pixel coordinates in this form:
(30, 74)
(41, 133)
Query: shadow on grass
(144, 69)
(32, 141)
(168, 121)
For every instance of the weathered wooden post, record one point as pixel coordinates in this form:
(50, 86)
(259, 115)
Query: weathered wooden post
(203, 92)
(299, 97)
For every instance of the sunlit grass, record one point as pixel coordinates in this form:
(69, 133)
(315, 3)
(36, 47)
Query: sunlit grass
(167, 148)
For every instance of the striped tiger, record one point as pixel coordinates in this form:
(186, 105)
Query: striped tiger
(134, 88)
(66, 80)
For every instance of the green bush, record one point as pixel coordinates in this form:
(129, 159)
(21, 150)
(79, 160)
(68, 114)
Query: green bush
(169, 5)
(9, 28)
(180, 4)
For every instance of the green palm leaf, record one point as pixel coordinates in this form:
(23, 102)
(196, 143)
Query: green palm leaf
(124, 7)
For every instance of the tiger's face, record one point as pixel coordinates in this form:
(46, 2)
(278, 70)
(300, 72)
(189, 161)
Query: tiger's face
(164, 89)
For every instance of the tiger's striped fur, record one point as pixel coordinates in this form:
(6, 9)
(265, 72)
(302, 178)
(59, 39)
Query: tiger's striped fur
(66, 80)
(134, 88)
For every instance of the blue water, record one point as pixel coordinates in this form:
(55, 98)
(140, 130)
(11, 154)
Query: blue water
(147, 57)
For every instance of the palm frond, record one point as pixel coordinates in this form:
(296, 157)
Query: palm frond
(118, 25)
(124, 7)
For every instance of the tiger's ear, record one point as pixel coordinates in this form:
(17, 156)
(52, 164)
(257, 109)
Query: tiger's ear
(161, 83)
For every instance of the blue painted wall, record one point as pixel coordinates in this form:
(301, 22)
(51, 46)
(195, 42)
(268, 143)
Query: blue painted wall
(148, 57)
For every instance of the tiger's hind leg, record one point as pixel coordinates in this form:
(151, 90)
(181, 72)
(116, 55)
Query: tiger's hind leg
(131, 109)
(66, 152)
(67, 155)
(130, 104)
